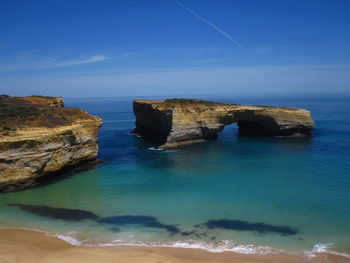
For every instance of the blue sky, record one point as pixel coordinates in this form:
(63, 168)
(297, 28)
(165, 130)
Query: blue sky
(166, 47)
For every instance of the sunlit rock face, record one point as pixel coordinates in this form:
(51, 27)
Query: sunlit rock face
(177, 123)
(39, 138)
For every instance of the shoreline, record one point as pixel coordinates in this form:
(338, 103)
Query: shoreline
(22, 245)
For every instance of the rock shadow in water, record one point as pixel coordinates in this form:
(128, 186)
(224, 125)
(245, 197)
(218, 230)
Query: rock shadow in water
(58, 213)
(145, 221)
(248, 226)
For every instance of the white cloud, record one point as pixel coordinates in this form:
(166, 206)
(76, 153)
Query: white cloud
(29, 61)
(74, 62)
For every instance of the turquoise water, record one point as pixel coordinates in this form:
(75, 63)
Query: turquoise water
(244, 194)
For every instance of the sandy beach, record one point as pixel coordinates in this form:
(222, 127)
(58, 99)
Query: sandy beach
(32, 246)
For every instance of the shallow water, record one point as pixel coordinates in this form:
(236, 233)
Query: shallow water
(272, 193)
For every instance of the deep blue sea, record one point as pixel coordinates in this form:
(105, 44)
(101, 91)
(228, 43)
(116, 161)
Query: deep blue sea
(245, 194)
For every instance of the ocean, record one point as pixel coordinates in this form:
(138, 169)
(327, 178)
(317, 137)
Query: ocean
(242, 194)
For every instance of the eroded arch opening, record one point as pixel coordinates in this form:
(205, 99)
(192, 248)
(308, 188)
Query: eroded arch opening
(245, 129)
(252, 128)
(229, 130)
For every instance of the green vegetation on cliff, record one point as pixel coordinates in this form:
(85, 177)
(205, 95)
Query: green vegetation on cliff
(41, 96)
(191, 101)
(14, 110)
(35, 111)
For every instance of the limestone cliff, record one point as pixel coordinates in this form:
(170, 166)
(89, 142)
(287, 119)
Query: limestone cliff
(39, 137)
(178, 122)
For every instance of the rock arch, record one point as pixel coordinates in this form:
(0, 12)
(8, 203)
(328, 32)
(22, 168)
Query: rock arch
(180, 123)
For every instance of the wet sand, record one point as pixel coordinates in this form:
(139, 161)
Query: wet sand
(32, 246)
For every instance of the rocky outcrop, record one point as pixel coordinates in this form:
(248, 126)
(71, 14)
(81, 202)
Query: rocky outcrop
(48, 141)
(178, 122)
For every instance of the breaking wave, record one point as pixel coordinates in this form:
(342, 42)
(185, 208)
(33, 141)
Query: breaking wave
(324, 249)
(223, 246)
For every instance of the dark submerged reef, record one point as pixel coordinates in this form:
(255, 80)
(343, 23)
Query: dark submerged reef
(58, 213)
(114, 229)
(152, 222)
(80, 215)
(248, 226)
(145, 221)
(197, 234)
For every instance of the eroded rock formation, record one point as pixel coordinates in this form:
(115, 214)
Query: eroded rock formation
(178, 122)
(39, 137)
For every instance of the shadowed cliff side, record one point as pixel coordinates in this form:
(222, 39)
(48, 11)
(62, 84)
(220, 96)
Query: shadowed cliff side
(176, 123)
(39, 137)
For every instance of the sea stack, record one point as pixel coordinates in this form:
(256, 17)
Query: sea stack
(175, 123)
(39, 137)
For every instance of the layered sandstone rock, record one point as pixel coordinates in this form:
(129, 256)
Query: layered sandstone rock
(39, 137)
(176, 123)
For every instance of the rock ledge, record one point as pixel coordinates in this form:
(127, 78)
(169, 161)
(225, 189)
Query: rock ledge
(40, 138)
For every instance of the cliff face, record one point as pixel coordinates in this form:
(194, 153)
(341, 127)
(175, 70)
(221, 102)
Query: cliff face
(50, 140)
(175, 124)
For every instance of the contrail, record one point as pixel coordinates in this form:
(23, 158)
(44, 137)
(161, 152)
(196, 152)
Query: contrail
(210, 24)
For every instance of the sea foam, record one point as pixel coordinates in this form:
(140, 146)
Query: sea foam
(224, 246)
(324, 249)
